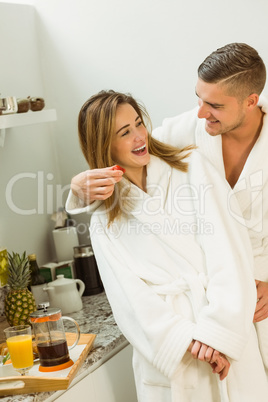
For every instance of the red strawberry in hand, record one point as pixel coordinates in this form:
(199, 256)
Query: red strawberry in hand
(117, 167)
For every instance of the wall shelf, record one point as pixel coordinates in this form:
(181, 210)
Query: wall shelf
(24, 119)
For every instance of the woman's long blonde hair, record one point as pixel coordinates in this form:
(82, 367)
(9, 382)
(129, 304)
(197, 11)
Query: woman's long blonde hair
(96, 126)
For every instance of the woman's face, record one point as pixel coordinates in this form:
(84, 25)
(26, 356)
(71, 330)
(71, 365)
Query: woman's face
(129, 147)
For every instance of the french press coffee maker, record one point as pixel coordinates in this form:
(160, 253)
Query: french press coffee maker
(50, 338)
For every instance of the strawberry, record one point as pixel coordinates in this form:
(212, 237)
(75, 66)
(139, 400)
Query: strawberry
(117, 167)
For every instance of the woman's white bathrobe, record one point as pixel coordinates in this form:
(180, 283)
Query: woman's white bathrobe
(251, 189)
(177, 267)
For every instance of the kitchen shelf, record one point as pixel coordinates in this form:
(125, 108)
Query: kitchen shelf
(24, 119)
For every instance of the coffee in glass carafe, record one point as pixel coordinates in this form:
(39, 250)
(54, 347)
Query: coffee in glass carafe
(50, 338)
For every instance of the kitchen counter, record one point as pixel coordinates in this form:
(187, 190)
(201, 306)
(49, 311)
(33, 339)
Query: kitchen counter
(96, 317)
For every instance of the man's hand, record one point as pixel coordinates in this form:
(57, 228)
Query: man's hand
(205, 353)
(95, 184)
(261, 311)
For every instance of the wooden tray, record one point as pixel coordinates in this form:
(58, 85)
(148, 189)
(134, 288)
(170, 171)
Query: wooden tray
(29, 384)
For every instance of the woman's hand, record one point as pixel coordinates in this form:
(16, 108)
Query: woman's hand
(95, 184)
(261, 311)
(205, 353)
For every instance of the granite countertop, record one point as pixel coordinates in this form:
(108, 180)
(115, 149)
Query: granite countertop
(96, 318)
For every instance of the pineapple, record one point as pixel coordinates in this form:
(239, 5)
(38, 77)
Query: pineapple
(19, 302)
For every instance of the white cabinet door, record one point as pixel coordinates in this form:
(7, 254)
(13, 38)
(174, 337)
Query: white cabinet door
(111, 382)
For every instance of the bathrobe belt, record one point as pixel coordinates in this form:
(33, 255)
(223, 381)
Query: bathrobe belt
(196, 284)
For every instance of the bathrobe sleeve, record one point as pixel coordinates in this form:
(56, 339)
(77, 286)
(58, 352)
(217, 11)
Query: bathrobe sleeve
(145, 319)
(75, 205)
(178, 131)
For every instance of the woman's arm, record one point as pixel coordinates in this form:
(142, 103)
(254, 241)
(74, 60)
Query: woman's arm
(95, 184)
(90, 188)
(218, 361)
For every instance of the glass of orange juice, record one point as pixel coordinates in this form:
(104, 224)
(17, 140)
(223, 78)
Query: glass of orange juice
(19, 343)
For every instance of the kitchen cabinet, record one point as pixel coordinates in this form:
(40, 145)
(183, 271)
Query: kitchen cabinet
(23, 119)
(113, 381)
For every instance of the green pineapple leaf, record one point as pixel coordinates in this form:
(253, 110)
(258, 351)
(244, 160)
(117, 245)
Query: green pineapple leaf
(19, 274)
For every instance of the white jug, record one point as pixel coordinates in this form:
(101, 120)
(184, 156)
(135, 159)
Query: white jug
(63, 294)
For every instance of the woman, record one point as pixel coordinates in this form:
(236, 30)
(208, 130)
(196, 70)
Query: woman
(176, 268)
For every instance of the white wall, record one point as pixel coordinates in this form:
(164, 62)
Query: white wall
(151, 48)
(28, 154)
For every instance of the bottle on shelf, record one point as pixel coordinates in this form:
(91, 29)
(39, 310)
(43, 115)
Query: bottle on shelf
(36, 277)
(37, 282)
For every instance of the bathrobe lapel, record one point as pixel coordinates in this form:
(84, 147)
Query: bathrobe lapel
(151, 207)
(254, 175)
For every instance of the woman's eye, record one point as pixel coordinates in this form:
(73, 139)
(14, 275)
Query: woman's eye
(139, 123)
(126, 132)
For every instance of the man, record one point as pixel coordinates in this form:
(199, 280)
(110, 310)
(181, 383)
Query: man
(229, 127)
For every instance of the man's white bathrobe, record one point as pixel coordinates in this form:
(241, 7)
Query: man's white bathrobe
(177, 267)
(251, 188)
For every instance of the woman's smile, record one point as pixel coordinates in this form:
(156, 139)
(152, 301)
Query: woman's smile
(140, 151)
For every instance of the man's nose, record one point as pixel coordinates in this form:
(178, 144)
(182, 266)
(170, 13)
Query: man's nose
(203, 111)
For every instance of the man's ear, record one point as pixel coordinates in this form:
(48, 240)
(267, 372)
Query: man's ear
(252, 101)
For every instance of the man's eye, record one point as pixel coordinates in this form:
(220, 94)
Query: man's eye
(216, 106)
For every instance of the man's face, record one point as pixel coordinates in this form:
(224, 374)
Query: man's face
(223, 113)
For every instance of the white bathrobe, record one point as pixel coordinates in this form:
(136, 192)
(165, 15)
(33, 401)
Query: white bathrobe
(177, 267)
(251, 188)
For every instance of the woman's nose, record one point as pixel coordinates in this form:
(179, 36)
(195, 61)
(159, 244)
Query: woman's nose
(139, 135)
